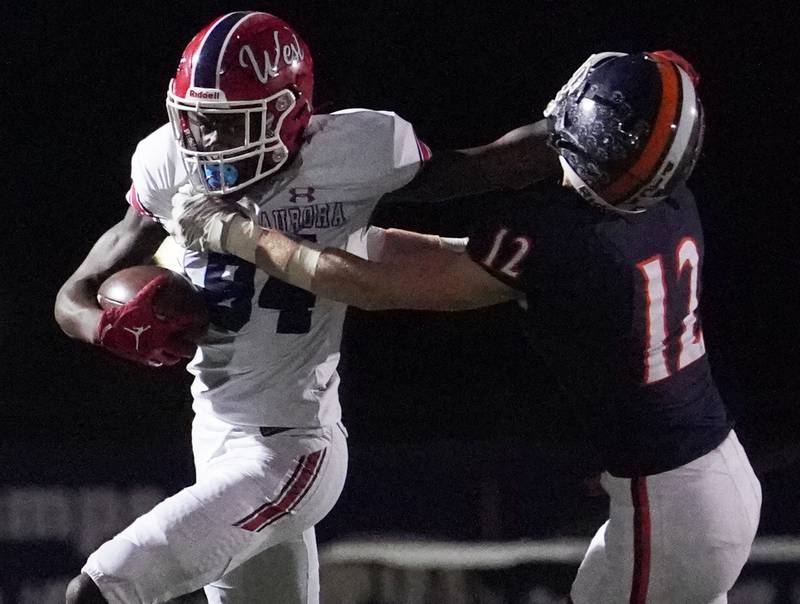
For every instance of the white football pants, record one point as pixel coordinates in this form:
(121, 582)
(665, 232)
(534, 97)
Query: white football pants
(244, 529)
(679, 537)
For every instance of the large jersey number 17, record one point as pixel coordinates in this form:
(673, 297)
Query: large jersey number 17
(659, 360)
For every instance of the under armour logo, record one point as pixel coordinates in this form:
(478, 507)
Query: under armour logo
(137, 331)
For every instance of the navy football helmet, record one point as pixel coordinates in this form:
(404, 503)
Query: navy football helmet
(628, 128)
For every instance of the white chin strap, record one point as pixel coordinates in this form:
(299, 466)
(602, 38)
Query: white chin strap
(577, 183)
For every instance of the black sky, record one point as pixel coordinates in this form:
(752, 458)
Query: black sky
(83, 85)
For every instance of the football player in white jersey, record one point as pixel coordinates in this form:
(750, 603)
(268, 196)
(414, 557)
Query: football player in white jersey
(269, 447)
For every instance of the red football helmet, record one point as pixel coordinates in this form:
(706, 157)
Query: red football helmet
(240, 101)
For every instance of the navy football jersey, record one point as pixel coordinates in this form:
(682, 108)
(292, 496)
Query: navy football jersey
(612, 310)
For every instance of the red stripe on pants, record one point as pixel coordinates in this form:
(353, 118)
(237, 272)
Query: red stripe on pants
(641, 540)
(308, 469)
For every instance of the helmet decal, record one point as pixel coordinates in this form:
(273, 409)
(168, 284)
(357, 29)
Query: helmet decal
(290, 54)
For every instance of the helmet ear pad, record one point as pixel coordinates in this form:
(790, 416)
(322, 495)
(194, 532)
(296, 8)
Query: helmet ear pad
(622, 126)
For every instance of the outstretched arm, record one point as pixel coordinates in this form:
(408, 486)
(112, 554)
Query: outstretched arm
(418, 272)
(422, 272)
(519, 158)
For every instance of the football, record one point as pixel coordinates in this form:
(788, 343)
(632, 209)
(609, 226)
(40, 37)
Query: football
(178, 297)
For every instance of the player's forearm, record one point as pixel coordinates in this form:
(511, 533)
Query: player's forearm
(133, 240)
(76, 310)
(331, 273)
(370, 285)
(354, 281)
(338, 275)
(430, 280)
(401, 246)
(519, 158)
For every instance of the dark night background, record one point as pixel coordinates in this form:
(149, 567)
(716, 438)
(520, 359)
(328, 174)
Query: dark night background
(82, 85)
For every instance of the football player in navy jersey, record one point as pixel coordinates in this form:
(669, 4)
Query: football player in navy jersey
(607, 264)
(269, 446)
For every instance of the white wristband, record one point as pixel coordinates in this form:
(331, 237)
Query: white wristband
(238, 235)
(454, 244)
(302, 265)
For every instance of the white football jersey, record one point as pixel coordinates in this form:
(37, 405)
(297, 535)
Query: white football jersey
(270, 357)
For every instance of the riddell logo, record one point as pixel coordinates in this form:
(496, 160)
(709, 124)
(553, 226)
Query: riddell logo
(204, 94)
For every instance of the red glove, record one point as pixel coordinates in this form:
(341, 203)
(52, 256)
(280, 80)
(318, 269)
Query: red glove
(680, 62)
(135, 331)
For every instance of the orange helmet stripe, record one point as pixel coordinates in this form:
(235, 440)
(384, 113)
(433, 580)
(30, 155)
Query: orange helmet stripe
(658, 145)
